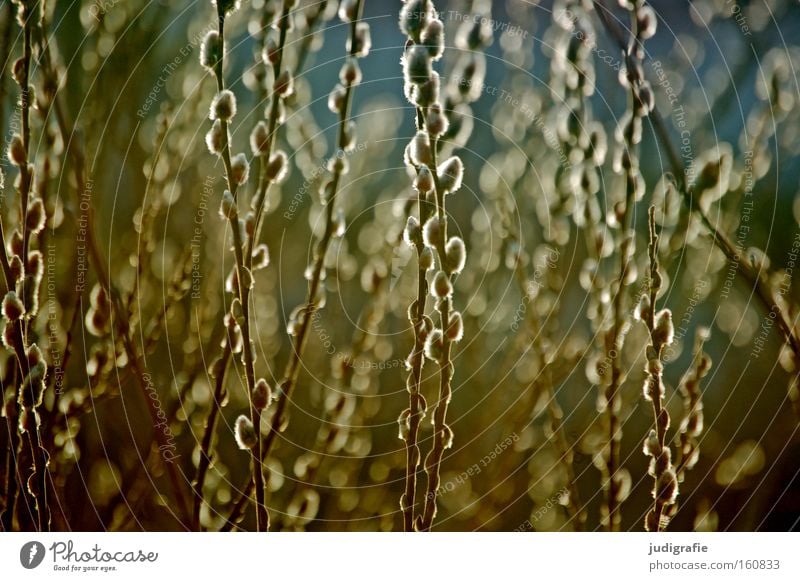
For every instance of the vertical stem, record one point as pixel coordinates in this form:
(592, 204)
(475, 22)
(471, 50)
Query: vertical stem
(414, 383)
(292, 370)
(244, 278)
(119, 311)
(433, 461)
(208, 434)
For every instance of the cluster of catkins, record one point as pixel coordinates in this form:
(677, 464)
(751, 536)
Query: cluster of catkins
(626, 164)
(23, 269)
(437, 252)
(249, 254)
(691, 426)
(662, 334)
(222, 111)
(582, 138)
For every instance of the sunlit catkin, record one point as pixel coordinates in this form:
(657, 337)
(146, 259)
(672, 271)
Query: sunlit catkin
(661, 330)
(626, 164)
(420, 21)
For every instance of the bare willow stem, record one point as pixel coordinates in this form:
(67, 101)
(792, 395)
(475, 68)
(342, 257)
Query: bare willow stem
(244, 279)
(433, 461)
(691, 426)
(417, 359)
(12, 477)
(638, 107)
(661, 332)
(272, 128)
(29, 396)
(210, 428)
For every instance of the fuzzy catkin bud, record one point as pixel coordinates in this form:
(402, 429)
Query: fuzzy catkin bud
(16, 151)
(432, 232)
(8, 335)
(36, 216)
(284, 84)
(271, 53)
(451, 173)
(245, 433)
(427, 94)
(210, 50)
(17, 267)
(215, 138)
(98, 316)
(349, 137)
(336, 99)
(424, 180)
(456, 255)
(441, 285)
(338, 224)
(433, 345)
(234, 331)
(13, 309)
(436, 122)
(474, 35)
(664, 332)
(411, 233)
(31, 294)
(421, 153)
(259, 139)
(338, 164)
(34, 355)
(361, 42)
(455, 327)
(240, 168)
(413, 17)
(426, 259)
(646, 20)
(417, 65)
(642, 308)
(651, 446)
(250, 224)
(260, 257)
(223, 106)
(262, 395)
(227, 206)
(433, 39)
(347, 10)
(666, 489)
(35, 266)
(33, 386)
(350, 73)
(646, 98)
(403, 424)
(278, 167)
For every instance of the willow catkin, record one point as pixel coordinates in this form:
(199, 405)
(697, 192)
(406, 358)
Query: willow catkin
(23, 272)
(692, 422)
(240, 282)
(434, 182)
(301, 317)
(626, 163)
(662, 333)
